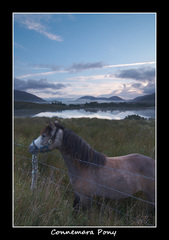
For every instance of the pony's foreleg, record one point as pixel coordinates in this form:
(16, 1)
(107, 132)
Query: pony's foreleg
(76, 202)
(85, 202)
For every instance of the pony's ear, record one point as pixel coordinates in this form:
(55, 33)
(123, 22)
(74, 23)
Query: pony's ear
(51, 124)
(58, 125)
(56, 121)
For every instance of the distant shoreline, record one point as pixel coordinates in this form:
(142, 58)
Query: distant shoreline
(29, 108)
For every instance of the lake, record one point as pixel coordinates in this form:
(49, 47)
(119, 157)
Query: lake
(102, 114)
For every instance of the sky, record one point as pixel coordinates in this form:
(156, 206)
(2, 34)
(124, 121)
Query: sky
(70, 55)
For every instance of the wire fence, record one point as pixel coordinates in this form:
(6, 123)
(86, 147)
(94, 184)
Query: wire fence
(146, 203)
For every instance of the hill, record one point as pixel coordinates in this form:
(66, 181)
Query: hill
(145, 98)
(21, 96)
(113, 98)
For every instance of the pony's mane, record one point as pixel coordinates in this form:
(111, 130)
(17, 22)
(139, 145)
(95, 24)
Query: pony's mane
(78, 149)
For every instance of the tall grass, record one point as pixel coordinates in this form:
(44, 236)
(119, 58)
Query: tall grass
(51, 203)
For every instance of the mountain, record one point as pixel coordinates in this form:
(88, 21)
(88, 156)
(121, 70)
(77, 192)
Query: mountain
(148, 99)
(21, 96)
(113, 98)
(87, 97)
(145, 98)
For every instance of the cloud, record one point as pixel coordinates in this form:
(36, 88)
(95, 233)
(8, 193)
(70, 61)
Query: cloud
(128, 64)
(17, 45)
(86, 78)
(139, 81)
(145, 84)
(53, 67)
(149, 88)
(141, 74)
(36, 84)
(41, 73)
(33, 22)
(131, 90)
(54, 92)
(76, 67)
(127, 91)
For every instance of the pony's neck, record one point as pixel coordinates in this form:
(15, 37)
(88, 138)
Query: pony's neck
(78, 152)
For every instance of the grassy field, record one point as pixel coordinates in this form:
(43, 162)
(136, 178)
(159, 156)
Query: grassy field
(51, 203)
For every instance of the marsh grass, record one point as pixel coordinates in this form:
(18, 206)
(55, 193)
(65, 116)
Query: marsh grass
(51, 203)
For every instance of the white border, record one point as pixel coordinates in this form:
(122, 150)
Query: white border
(72, 227)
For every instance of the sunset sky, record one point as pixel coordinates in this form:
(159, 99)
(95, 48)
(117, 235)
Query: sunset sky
(70, 55)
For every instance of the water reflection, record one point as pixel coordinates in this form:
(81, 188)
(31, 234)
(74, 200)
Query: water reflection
(102, 114)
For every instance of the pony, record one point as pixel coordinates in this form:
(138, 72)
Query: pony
(93, 173)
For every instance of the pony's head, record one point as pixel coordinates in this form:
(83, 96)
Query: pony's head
(49, 139)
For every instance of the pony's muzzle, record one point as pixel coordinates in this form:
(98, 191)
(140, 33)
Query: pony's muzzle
(33, 149)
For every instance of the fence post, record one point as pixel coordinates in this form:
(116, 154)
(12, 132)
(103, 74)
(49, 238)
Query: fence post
(34, 172)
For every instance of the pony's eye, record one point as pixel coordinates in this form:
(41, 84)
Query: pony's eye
(50, 141)
(43, 135)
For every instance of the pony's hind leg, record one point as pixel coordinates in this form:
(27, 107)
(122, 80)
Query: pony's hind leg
(85, 202)
(151, 196)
